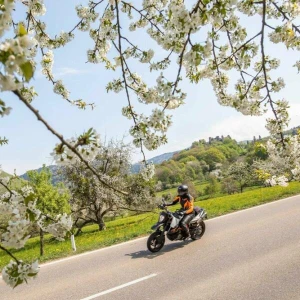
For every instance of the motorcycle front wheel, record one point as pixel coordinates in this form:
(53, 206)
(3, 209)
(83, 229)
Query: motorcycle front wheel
(155, 241)
(199, 231)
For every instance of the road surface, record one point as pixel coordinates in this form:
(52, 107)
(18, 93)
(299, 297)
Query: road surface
(251, 254)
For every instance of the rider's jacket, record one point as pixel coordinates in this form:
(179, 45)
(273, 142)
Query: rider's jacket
(186, 201)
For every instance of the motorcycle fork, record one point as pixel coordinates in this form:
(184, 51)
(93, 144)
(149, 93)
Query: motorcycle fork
(161, 235)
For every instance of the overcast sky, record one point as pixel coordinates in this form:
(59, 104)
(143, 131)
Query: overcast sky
(30, 144)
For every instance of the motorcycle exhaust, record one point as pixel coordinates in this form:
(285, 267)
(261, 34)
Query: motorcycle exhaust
(199, 218)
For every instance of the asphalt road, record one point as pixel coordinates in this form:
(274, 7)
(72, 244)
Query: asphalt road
(252, 254)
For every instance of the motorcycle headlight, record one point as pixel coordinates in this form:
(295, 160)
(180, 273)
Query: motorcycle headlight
(161, 218)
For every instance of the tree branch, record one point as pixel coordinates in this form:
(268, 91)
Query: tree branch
(64, 142)
(10, 254)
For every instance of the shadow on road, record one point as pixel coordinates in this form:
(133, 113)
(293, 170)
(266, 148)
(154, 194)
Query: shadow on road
(167, 248)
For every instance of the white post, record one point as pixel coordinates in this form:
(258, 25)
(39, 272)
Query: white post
(73, 242)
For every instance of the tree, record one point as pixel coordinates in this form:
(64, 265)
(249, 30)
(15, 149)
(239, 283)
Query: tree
(51, 200)
(163, 174)
(229, 185)
(258, 152)
(224, 47)
(213, 186)
(242, 173)
(159, 186)
(92, 201)
(211, 157)
(190, 172)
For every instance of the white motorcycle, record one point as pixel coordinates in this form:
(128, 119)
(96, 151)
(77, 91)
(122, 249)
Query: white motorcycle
(169, 223)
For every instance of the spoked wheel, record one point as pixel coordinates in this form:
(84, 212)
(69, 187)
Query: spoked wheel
(199, 231)
(155, 241)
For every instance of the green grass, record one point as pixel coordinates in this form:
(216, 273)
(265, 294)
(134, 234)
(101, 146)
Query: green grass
(226, 204)
(127, 228)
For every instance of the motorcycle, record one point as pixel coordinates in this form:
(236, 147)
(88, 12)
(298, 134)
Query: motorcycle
(169, 223)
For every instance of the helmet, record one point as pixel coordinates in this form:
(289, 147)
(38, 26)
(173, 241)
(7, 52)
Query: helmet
(182, 190)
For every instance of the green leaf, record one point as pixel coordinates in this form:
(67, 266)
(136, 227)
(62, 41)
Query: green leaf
(31, 215)
(21, 30)
(27, 70)
(19, 281)
(29, 198)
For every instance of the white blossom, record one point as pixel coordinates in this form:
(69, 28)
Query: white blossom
(274, 180)
(148, 172)
(16, 273)
(36, 7)
(59, 228)
(60, 89)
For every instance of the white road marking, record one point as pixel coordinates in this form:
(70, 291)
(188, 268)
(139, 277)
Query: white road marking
(119, 287)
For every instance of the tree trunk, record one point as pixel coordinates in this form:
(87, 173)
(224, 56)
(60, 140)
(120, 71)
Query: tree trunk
(101, 225)
(79, 227)
(41, 242)
(242, 188)
(79, 231)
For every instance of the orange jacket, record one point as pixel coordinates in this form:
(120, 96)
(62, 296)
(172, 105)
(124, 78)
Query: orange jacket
(186, 202)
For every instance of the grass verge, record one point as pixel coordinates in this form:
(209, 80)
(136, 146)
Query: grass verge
(125, 229)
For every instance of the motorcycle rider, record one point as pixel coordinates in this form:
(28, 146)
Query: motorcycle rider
(187, 204)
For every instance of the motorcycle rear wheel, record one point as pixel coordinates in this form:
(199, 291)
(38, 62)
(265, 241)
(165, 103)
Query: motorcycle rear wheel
(199, 231)
(155, 242)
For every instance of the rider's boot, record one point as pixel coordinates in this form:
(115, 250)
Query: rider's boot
(185, 232)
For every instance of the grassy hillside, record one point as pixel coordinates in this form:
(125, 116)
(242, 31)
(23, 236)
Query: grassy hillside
(124, 229)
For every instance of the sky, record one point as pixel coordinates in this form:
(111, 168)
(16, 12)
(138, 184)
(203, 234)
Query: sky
(30, 143)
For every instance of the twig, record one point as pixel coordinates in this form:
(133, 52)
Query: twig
(179, 69)
(123, 73)
(79, 23)
(264, 67)
(239, 48)
(142, 15)
(10, 254)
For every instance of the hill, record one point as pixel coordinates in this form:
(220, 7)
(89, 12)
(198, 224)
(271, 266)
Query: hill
(202, 158)
(155, 160)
